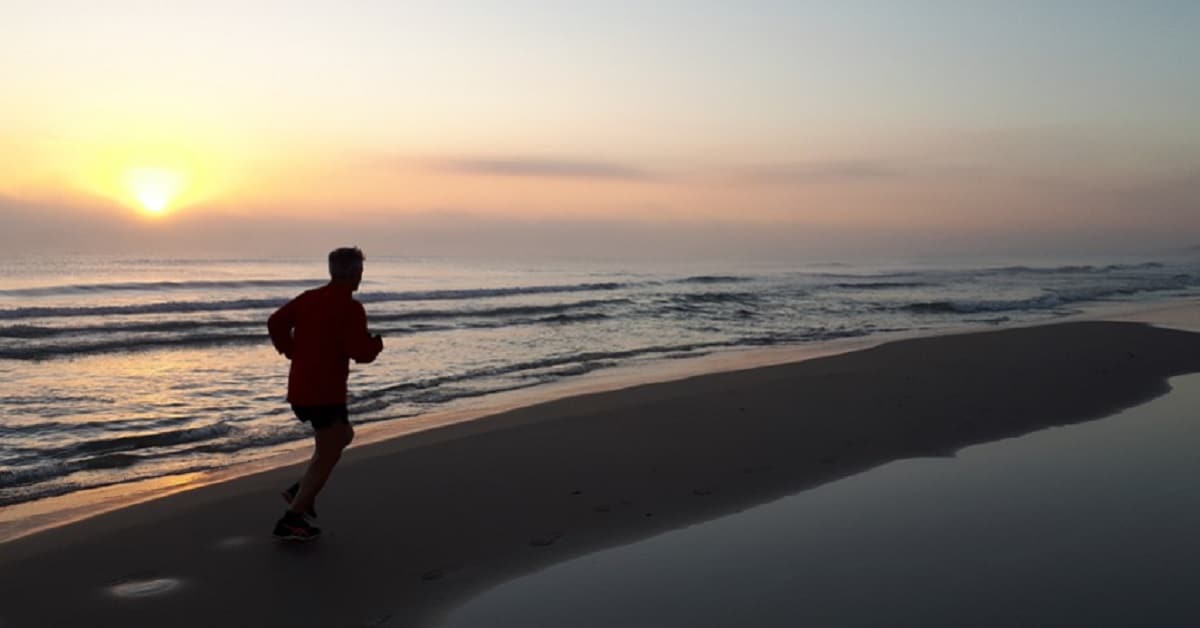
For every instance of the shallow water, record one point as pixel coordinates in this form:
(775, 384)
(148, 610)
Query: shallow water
(1088, 525)
(120, 370)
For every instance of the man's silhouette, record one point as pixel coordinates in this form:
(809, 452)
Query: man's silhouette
(320, 331)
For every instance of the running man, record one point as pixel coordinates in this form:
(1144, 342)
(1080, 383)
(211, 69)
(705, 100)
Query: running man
(320, 331)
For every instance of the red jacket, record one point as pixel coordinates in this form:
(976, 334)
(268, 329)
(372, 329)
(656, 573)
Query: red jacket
(320, 331)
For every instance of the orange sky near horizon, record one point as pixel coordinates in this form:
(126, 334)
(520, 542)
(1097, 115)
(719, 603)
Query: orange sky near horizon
(765, 114)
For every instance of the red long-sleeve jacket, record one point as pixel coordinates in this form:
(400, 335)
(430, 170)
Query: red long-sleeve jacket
(321, 331)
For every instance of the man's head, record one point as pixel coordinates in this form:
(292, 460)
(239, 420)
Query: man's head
(346, 266)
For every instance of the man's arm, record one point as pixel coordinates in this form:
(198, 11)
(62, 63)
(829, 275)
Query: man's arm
(359, 343)
(280, 325)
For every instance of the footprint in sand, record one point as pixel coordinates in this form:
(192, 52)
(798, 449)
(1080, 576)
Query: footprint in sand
(145, 588)
(438, 574)
(234, 542)
(545, 540)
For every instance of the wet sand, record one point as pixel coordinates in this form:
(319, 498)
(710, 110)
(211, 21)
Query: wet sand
(1089, 525)
(418, 524)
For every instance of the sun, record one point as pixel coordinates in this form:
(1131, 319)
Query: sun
(154, 189)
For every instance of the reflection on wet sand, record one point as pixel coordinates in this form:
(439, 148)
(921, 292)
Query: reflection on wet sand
(1088, 525)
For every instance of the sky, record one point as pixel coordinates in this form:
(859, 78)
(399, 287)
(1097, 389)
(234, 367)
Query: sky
(603, 129)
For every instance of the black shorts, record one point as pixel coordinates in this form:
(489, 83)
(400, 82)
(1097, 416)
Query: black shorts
(322, 416)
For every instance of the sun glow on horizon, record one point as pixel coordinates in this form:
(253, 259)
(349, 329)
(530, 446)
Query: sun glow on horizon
(152, 174)
(154, 188)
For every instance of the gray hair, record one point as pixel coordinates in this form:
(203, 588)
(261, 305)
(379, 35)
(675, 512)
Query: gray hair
(346, 262)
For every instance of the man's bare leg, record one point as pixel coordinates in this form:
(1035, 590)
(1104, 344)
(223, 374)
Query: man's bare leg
(330, 441)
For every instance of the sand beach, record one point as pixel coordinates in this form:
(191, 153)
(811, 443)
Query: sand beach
(419, 524)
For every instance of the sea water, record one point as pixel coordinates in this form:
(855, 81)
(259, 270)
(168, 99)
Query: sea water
(118, 369)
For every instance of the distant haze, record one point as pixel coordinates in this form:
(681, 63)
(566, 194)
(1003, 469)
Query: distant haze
(677, 129)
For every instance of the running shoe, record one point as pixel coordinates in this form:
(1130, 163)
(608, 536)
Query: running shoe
(294, 527)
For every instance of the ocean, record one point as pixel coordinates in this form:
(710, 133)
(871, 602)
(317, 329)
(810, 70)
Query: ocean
(119, 369)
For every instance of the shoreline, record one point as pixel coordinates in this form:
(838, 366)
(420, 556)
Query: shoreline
(71, 508)
(422, 522)
(26, 518)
